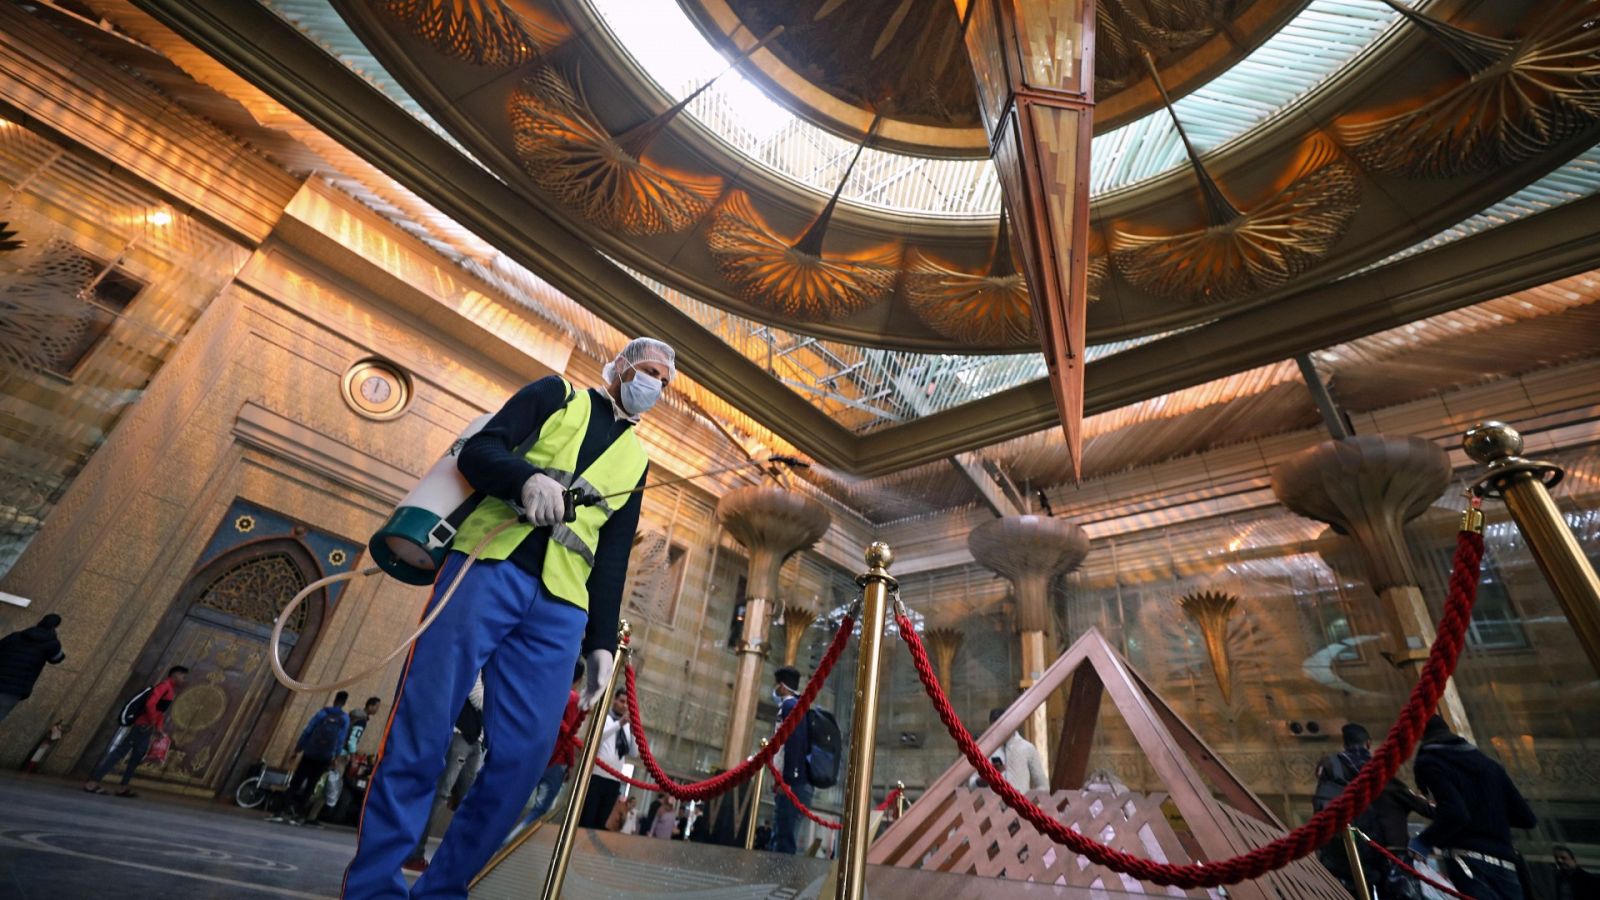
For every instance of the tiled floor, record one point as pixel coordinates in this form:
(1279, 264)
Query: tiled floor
(58, 843)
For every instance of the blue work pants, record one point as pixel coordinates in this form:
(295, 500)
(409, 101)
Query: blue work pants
(525, 641)
(786, 817)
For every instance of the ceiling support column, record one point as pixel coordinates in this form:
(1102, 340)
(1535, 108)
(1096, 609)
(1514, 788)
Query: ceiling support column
(1368, 487)
(772, 524)
(1031, 552)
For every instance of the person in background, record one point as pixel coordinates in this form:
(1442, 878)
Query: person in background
(1384, 821)
(1572, 882)
(320, 741)
(137, 742)
(1022, 768)
(764, 833)
(564, 756)
(624, 819)
(23, 655)
(325, 795)
(359, 721)
(791, 764)
(460, 771)
(665, 821)
(616, 744)
(1475, 807)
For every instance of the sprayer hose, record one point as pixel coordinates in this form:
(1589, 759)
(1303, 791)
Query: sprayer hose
(288, 681)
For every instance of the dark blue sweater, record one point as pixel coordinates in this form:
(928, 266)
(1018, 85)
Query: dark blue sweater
(794, 749)
(1475, 803)
(491, 465)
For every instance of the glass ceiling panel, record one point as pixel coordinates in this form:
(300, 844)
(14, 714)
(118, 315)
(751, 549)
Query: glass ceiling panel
(1578, 179)
(1320, 40)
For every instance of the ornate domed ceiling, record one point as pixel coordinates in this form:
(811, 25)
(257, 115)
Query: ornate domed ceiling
(840, 64)
(1334, 163)
(1379, 156)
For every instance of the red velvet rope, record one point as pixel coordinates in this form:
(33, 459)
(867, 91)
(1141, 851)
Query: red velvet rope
(777, 779)
(1322, 826)
(1404, 867)
(711, 787)
(887, 801)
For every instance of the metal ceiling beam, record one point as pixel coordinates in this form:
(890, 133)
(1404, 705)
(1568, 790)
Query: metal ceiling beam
(275, 57)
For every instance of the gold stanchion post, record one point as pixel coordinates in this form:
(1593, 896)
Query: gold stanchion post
(562, 854)
(900, 801)
(876, 583)
(1358, 873)
(1525, 484)
(754, 814)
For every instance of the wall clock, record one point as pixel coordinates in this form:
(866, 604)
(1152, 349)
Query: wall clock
(376, 388)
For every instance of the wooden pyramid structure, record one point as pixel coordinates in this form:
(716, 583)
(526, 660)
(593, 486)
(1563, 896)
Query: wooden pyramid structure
(1204, 813)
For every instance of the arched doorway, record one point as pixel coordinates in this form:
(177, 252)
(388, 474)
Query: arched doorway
(219, 628)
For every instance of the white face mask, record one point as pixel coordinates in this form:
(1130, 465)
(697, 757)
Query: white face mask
(777, 696)
(641, 393)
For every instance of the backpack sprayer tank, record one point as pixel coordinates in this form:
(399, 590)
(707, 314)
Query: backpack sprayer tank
(411, 546)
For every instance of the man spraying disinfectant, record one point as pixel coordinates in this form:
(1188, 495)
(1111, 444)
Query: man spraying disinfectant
(543, 590)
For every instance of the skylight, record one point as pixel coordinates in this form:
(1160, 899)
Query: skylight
(1315, 44)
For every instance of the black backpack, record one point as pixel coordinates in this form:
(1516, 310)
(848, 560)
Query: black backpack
(823, 748)
(324, 741)
(134, 706)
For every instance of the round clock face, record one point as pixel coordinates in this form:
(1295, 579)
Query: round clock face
(376, 389)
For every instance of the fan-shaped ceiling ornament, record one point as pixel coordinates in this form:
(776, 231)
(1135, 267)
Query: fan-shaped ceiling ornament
(1521, 98)
(1210, 612)
(9, 242)
(1241, 253)
(1125, 31)
(607, 180)
(481, 32)
(992, 307)
(43, 314)
(795, 277)
(987, 308)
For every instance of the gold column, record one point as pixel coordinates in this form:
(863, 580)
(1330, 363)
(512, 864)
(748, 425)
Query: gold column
(1524, 485)
(754, 815)
(1358, 872)
(561, 855)
(876, 583)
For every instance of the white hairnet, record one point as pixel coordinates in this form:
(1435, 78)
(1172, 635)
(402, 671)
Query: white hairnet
(640, 349)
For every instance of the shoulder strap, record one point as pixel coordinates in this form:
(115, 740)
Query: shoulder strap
(533, 438)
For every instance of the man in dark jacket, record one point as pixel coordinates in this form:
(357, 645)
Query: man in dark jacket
(322, 739)
(785, 816)
(23, 655)
(1384, 821)
(1475, 808)
(1572, 882)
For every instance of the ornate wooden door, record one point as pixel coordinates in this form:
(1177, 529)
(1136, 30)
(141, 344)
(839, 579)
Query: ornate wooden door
(222, 638)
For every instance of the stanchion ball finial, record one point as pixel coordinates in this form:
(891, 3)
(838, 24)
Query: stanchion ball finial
(879, 556)
(1488, 441)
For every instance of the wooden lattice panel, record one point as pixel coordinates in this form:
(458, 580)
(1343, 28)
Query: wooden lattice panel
(1303, 878)
(977, 834)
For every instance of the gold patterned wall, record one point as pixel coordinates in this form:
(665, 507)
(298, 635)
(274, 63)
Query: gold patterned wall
(105, 282)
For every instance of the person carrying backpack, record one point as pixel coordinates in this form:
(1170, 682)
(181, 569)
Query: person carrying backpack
(1384, 821)
(792, 765)
(323, 739)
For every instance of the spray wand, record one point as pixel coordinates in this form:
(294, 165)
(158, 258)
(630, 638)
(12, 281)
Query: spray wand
(578, 496)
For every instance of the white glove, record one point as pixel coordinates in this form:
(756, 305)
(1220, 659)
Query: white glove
(596, 672)
(542, 497)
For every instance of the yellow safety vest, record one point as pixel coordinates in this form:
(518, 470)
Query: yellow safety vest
(570, 557)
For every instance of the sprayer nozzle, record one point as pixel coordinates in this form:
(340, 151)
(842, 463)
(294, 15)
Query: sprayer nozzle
(793, 462)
